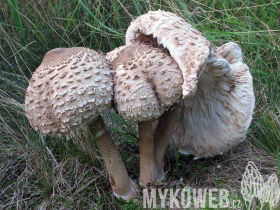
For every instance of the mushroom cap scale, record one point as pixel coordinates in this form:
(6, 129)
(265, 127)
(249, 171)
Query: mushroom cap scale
(148, 82)
(69, 89)
(189, 48)
(112, 55)
(218, 116)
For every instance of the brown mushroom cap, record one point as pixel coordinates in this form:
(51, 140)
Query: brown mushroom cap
(218, 116)
(147, 82)
(69, 89)
(189, 48)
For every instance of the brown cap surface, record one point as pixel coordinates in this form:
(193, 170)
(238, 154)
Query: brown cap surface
(70, 88)
(147, 82)
(189, 48)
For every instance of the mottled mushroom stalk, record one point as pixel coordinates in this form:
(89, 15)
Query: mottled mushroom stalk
(163, 134)
(70, 88)
(121, 184)
(146, 152)
(147, 83)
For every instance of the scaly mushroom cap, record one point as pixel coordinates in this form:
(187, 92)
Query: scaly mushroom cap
(218, 116)
(147, 82)
(189, 48)
(70, 88)
(112, 55)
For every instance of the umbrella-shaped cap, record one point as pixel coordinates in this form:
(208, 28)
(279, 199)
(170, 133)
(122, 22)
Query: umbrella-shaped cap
(189, 48)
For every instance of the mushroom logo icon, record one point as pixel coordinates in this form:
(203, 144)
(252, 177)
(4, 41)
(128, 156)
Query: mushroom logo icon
(253, 185)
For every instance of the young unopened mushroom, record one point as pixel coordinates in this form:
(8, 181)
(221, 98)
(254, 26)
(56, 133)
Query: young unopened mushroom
(70, 88)
(218, 116)
(147, 83)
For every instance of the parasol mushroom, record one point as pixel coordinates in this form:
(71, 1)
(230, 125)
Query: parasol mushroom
(218, 115)
(186, 45)
(147, 83)
(70, 88)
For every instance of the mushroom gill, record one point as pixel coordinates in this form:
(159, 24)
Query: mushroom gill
(218, 116)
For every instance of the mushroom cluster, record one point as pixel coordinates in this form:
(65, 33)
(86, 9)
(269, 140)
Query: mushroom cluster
(168, 78)
(216, 109)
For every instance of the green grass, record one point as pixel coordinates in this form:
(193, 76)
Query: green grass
(29, 177)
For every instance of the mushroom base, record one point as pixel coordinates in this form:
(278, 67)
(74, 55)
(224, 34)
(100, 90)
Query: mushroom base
(131, 194)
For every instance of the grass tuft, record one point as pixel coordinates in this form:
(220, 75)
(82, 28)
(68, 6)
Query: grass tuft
(70, 174)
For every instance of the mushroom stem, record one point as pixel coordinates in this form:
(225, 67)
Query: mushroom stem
(121, 184)
(163, 134)
(146, 147)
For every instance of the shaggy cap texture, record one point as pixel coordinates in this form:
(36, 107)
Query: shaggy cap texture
(70, 88)
(112, 55)
(218, 116)
(189, 48)
(147, 82)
